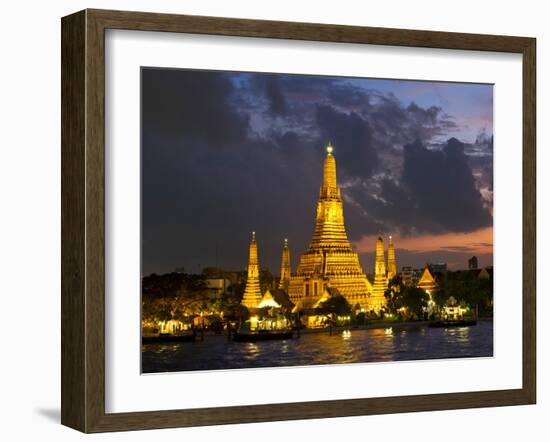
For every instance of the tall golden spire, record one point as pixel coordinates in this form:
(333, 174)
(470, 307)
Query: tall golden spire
(329, 171)
(330, 262)
(330, 231)
(380, 280)
(285, 267)
(252, 296)
(380, 264)
(392, 266)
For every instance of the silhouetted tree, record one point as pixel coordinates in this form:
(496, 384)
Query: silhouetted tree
(414, 300)
(335, 305)
(392, 293)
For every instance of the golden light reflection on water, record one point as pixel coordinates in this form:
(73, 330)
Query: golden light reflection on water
(458, 335)
(284, 347)
(252, 351)
(377, 345)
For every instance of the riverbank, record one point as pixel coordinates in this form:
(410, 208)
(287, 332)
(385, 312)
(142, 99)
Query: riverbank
(393, 341)
(371, 325)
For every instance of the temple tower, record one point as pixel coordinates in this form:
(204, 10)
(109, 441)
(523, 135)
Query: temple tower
(252, 296)
(392, 266)
(380, 279)
(330, 232)
(329, 260)
(285, 268)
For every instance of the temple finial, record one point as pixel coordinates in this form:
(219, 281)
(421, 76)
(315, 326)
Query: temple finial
(329, 172)
(253, 236)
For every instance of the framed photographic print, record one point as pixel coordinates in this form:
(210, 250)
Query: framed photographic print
(268, 220)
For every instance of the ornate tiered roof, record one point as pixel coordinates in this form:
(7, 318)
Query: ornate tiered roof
(330, 260)
(252, 295)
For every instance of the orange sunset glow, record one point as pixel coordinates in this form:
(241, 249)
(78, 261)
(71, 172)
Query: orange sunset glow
(476, 242)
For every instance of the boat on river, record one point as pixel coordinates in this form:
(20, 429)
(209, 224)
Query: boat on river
(262, 335)
(452, 323)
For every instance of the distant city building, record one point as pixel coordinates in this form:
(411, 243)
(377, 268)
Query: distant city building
(217, 286)
(472, 263)
(440, 267)
(417, 273)
(407, 275)
(218, 273)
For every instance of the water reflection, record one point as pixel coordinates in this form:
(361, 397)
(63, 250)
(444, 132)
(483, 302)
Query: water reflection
(252, 351)
(377, 345)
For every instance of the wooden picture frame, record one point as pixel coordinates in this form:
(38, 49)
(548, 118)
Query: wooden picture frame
(83, 220)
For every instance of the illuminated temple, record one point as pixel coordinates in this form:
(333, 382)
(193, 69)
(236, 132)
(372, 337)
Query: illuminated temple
(329, 266)
(330, 261)
(252, 295)
(380, 279)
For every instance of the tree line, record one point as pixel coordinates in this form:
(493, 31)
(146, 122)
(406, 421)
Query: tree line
(462, 288)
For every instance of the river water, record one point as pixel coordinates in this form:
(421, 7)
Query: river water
(395, 343)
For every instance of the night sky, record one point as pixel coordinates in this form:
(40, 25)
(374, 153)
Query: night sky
(226, 153)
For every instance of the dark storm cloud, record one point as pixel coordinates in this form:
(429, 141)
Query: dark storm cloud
(352, 135)
(205, 188)
(270, 86)
(227, 153)
(218, 197)
(392, 123)
(479, 155)
(443, 188)
(435, 193)
(194, 104)
(399, 125)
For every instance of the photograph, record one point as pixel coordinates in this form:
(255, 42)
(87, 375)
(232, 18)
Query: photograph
(233, 221)
(303, 220)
